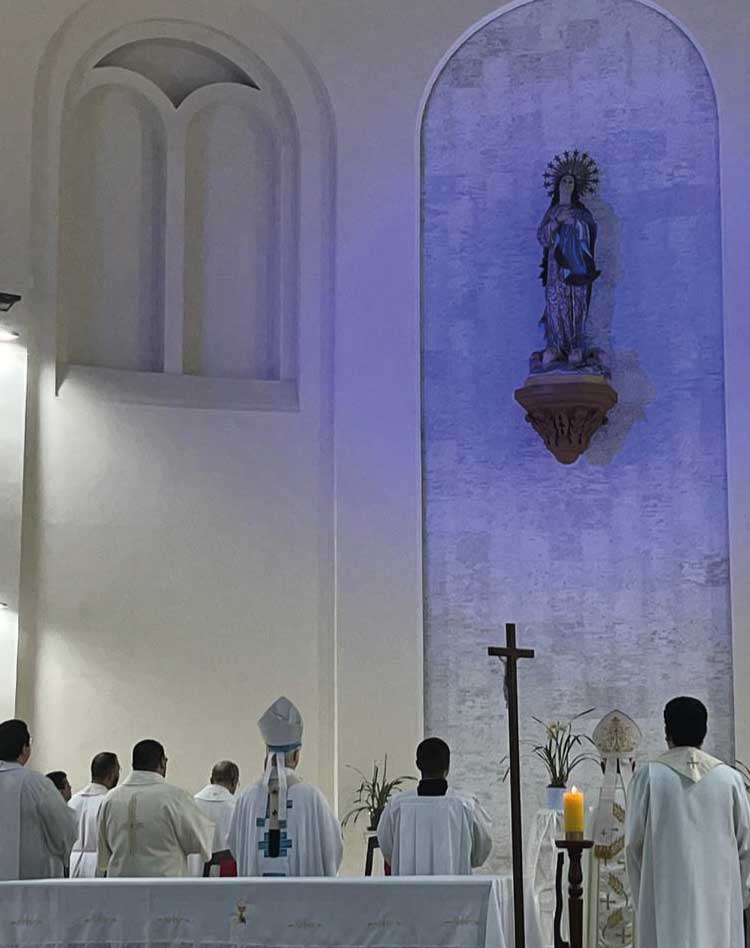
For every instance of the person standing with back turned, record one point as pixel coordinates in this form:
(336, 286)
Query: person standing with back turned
(687, 841)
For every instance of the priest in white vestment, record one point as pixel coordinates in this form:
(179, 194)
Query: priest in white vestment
(282, 826)
(432, 831)
(217, 802)
(147, 827)
(687, 839)
(105, 775)
(37, 830)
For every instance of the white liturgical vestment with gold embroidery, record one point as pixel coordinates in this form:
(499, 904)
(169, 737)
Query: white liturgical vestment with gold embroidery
(148, 828)
(687, 839)
(434, 835)
(37, 830)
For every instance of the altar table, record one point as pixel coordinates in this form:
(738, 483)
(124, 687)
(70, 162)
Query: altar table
(472, 912)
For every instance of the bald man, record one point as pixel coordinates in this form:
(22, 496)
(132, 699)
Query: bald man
(217, 802)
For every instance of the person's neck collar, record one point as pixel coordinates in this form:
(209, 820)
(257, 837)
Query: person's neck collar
(432, 787)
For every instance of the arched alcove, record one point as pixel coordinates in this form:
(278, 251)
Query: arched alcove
(616, 569)
(131, 512)
(179, 229)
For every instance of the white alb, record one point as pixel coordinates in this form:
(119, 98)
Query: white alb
(434, 835)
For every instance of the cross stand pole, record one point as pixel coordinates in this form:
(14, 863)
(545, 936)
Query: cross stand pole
(574, 848)
(510, 653)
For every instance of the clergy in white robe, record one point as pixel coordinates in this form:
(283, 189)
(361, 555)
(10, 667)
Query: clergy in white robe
(687, 839)
(217, 802)
(37, 830)
(432, 831)
(282, 826)
(148, 828)
(105, 775)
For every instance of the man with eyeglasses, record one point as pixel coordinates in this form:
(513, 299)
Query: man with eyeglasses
(37, 829)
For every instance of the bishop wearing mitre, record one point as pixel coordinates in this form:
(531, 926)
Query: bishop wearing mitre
(282, 826)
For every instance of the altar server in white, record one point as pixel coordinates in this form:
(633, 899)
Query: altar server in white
(217, 802)
(147, 827)
(105, 775)
(37, 830)
(432, 831)
(687, 839)
(282, 826)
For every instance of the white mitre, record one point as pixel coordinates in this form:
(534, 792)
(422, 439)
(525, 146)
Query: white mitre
(281, 729)
(281, 726)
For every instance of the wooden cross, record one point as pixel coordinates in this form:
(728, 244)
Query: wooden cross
(510, 653)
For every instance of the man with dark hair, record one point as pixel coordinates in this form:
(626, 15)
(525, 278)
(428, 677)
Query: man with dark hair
(687, 841)
(37, 829)
(148, 827)
(217, 802)
(432, 830)
(105, 775)
(60, 780)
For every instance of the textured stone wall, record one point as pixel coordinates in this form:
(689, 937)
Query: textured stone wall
(615, 569)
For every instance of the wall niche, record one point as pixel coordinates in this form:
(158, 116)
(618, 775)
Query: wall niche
(179, 229)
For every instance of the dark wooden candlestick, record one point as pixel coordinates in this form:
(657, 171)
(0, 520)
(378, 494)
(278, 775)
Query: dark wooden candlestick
(574, 849)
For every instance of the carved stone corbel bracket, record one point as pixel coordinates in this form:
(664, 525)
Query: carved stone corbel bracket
(566, 410)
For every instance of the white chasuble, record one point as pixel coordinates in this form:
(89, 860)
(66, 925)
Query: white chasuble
(217, 803)
(308, 840)
(148, 828)
(434, 835)
(687, 838)
(86, 805)
(37, 830)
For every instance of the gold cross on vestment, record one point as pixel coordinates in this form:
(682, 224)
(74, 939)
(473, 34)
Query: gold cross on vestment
(133, 826)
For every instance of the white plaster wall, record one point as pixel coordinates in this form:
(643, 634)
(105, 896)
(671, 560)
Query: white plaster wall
(12, 416)
(375, 58)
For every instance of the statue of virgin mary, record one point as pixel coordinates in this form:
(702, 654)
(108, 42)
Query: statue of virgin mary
(568, 235)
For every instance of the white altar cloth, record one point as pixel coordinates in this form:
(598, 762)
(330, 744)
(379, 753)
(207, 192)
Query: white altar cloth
(284, 913)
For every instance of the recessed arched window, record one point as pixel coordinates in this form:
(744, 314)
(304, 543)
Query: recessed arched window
(179, 224)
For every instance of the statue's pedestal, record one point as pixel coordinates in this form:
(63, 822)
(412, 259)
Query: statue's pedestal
(566, 410)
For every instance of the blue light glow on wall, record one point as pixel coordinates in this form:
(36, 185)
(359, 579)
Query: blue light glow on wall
(616, 569)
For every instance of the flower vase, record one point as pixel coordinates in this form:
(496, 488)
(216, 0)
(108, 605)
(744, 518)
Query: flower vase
(555, 798)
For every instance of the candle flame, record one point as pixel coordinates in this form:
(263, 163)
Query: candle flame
(574, 790)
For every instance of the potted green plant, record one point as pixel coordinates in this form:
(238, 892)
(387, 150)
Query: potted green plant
(373, 793)
(561, 754)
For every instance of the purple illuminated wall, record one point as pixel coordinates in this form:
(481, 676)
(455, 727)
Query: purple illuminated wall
(615, 569)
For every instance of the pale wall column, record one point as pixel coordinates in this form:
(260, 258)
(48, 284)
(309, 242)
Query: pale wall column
(12, 423)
